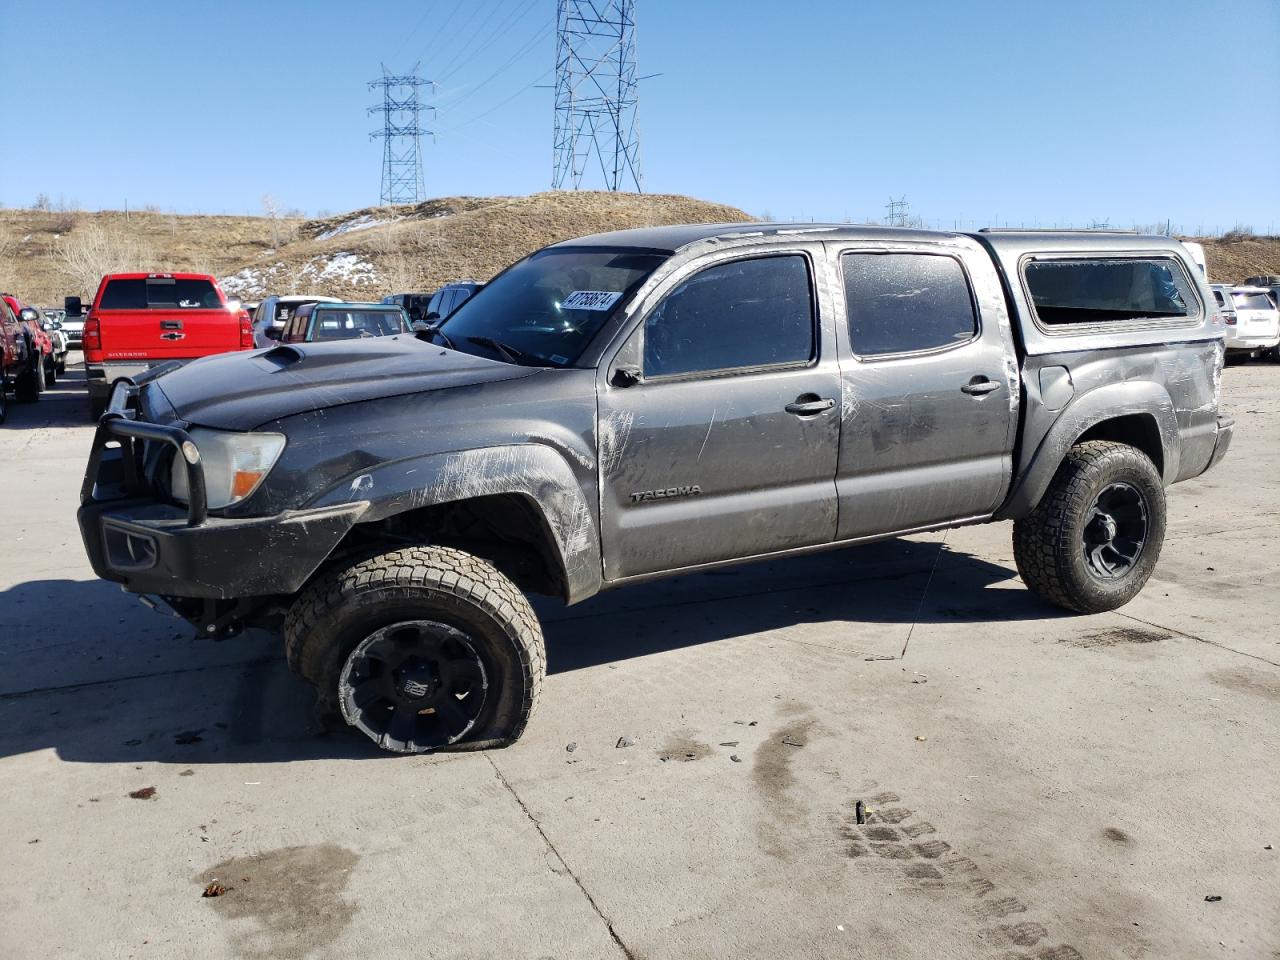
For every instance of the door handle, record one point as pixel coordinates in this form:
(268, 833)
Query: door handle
(170, 324)
(980, 386)
(807, 404)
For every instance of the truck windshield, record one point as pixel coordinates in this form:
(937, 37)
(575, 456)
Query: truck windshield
(545, 310)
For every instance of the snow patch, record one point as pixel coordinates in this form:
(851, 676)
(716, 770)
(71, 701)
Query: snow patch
(363, 222)
(250, 280)
(344, 267)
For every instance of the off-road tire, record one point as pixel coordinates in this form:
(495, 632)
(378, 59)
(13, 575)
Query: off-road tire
(340, 608)
(1048, 545)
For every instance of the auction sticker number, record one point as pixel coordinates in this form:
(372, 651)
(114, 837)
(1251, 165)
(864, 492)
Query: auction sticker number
(590, 300)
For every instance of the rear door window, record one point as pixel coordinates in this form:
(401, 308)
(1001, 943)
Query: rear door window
(1113, 290)
(742, 314)
(906, 302)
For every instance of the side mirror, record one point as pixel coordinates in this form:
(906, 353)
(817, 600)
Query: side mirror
(626, 375)
(271, 333)
(432, 317)
(73, 306)
(28, 314)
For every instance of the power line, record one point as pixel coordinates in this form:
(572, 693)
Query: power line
(525, 48)
(494, 38)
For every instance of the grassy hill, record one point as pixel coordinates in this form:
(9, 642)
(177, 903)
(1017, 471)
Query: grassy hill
(378, 250)
(364, 253)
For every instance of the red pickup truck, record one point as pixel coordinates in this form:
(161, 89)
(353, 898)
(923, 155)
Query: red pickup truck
(23, 348)
(139, 320)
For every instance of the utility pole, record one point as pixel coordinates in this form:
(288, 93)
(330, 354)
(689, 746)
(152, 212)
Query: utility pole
(401, 134)
(596, 94)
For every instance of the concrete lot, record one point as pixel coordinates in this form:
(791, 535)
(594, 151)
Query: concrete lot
(1039, 785)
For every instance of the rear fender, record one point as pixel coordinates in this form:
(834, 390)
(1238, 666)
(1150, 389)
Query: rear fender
(533, 470)
(1142, 397)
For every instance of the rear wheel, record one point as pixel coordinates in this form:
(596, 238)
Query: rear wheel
(50, 370)
(422, 648)
(1093, 540)
(30, 383)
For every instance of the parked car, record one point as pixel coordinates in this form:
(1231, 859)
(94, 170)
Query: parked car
(1270, 282)
(1222, 300)
(41, 342)
(448, 299)
(21, 366)
(648, 403)
(415, 305)
(1257, 326)
(139, 320)
(343, 321)
(73, 323)
(273, 313)
(56, 363)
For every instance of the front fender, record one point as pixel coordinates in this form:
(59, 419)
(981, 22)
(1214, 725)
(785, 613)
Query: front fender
(533, 470)
(1142, 397)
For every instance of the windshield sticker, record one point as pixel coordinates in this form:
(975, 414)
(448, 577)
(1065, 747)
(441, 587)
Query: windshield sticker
(590, 300)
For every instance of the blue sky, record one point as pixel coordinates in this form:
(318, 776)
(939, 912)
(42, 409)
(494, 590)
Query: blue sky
(976, 110)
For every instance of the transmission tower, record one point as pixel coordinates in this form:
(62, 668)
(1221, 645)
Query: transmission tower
(596, 94)
(401, 134)
(899, 212)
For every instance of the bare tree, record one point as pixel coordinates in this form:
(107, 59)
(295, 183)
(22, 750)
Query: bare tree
(94, 250)
(271, 210)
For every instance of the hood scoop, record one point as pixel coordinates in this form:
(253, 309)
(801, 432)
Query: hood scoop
(282, 356)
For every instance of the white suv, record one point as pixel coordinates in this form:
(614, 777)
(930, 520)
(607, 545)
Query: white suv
(1257, 324)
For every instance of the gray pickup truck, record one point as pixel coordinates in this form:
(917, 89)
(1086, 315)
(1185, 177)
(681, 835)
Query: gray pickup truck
(637, 404)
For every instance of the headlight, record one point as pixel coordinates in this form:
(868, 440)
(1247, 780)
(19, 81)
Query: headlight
(234, 464)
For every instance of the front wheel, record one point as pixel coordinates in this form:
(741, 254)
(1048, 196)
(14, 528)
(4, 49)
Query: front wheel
(421, 648)
(1092, 542)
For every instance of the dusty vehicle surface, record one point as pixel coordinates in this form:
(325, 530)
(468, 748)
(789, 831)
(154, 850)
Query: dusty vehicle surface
(643, 403)
(139, 320)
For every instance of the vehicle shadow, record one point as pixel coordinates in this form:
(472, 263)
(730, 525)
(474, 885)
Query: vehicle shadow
(100, 678)
(63, 404)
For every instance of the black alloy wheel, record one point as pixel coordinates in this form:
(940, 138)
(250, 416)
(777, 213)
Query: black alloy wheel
(413, 686)
(1115, 531)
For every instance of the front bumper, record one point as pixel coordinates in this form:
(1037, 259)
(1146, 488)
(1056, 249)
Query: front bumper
(152, 546)
(148, 547)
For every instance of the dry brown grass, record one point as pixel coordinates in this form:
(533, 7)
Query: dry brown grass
(427, 244)
(1230, 261)
(431, 243)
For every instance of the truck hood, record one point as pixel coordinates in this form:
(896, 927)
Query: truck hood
(240, 391)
